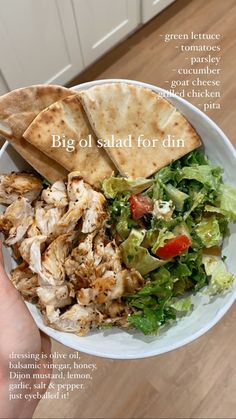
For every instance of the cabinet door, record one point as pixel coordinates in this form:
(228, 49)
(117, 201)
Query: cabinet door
(101, 24)
(38, 42)
(151, 8)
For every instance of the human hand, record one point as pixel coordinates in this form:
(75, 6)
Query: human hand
(20, 334)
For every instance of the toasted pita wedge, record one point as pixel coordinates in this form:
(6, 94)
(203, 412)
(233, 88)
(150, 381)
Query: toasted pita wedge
(118, 110)
(17, 110)
(67, 119)
(47, 167)
(19, 107)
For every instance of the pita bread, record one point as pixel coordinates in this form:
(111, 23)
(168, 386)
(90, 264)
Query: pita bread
(121, 109)
(67, 119)
(19, 107)
(47, 167)
(17, 110)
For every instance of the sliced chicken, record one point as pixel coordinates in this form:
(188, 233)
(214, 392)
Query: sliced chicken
(79, 265)
(78, 196)
(116, 313)
(110, 287)
(117, 308)
(74, 186)
(47, 218)
(56, 296)
(95, 214)
(15, 185)
(111, 260)
(56, 195)
(58, 268)
(77, 319)
(25, 281)
(33, 230)
(51, 315)
(98, 247)
(16, 220)
(31, 248)
(50, 267)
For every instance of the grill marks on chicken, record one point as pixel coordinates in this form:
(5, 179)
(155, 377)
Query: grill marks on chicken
(17, 185)
(25, 281)
(68, 269)
(16, 220)
(56, 195)
(47, 217)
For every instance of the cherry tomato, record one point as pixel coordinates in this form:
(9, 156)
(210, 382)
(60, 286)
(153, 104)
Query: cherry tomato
(174, 247)
(140, 205)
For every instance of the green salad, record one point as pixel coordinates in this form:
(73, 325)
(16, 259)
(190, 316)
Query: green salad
(170, 228)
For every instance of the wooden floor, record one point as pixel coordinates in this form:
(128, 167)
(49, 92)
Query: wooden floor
(198, 380)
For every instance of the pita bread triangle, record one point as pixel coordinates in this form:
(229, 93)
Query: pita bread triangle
(118, 110)
(18, 108)
(67, 119)
(48, 168)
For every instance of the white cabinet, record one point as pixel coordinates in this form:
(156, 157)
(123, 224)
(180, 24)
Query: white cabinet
(103, 23)
(52, 41)
(38, 42)
(151, 8)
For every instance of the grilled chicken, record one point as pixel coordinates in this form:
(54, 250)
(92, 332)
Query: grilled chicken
(111, 260)
(56, 195)
(78, 201)
(67, 259)
(110, 287)
(31, 248)
(16, 220)
(25, 281)
(79, 265)
(98, 247)
(33, 230)
(94, 215)
(77, 319)
(50, 267)
(56, 296)
(15, 185)
(47, 218)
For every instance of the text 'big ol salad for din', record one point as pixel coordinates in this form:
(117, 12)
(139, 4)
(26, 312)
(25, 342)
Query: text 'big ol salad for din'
(117, 237)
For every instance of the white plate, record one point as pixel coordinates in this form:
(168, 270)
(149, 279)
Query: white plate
(127, 345)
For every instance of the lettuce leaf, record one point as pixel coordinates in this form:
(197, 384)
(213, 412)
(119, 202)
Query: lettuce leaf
(152, 301)
(205, 174)
(155, 304)
(194, 262)
(221, 280)
(182, 228)
(115, 185)
(149, 320)
(124, 223)
(197, 199)
(209, 232)
(136, 256)
(193, 158)
(226, 203)
(163, 235)
(178, 197)
(165, 175)
(182, 305)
